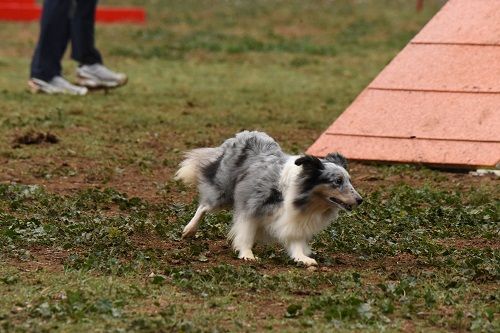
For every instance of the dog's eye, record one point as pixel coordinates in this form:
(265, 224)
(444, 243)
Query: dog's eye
(339, 181)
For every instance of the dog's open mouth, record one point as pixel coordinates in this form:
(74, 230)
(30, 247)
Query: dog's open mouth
(341, 204)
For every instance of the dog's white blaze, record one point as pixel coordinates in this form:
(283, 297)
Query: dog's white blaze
(288, 224)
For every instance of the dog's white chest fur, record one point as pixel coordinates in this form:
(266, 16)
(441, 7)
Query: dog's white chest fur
(288, 223)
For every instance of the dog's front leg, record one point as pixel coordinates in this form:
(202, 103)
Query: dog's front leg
(243, 234)
(298, 250)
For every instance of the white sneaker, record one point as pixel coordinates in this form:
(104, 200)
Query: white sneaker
(97, 76)
(58, 85)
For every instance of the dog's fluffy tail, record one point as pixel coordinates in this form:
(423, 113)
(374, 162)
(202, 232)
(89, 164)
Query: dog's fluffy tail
(195, 159)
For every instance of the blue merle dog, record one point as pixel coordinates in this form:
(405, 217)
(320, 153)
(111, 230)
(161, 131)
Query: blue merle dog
(274, 196)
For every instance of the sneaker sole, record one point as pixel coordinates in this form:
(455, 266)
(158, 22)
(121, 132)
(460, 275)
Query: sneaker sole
(94, 84)
(35, 88)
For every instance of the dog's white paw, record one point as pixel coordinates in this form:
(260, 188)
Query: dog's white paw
(306, 261)
(188, 231)
(247, 255)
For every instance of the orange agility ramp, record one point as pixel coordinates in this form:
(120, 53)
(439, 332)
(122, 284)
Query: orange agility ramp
(437, 102)
(29, 10)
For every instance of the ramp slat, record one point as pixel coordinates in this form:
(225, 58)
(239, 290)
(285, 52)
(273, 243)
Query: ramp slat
(431, 115)
(464, 22)
(436, 152)
(443, 68)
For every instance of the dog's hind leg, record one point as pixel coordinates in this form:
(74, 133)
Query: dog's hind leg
(243, 234)
(192, 226)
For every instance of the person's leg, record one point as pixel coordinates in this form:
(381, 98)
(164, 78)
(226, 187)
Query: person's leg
(54, 36)
(91, 72)
(83, 47)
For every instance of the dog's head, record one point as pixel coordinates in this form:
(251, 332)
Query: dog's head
(327, 180)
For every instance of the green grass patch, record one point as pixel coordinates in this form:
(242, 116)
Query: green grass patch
(96, 228)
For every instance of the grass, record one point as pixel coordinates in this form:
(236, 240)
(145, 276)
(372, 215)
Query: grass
(382, 266)
(90, 226)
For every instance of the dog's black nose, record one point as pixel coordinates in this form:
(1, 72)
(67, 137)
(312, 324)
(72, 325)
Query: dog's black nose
(359, 201)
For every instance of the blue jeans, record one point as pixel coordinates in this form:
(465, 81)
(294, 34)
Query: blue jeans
(62, 21)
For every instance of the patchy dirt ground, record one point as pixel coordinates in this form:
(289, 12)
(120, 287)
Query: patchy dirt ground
(90, 217)
(151, 184)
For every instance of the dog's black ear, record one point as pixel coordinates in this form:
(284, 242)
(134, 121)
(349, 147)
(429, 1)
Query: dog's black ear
(338, 159)
(310, 162)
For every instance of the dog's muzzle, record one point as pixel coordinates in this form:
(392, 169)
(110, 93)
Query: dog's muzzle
(344, 205)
